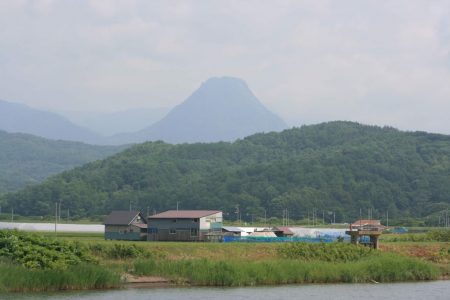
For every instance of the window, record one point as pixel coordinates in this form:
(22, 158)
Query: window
(194, 232)
(172, 231)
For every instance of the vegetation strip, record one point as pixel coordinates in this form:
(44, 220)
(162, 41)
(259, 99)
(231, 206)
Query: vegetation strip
(29, 262)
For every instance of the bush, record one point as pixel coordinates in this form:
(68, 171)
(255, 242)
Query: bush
(35, 252)
(442, 235)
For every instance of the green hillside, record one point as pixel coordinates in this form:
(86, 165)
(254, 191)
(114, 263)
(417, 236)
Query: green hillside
(26, 159)
(338, 166)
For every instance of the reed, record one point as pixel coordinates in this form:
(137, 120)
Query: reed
(16, 278)
(204, 272)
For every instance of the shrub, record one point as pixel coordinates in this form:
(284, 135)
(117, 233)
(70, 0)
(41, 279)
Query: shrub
(35, 252)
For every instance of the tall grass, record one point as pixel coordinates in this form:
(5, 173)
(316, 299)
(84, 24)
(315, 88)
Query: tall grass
(382, 268)
(16, 278)
(332, 252)
(438, 235)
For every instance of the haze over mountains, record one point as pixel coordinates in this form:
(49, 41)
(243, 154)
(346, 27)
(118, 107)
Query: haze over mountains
(222, 109)
(107, 124)
(17, 118)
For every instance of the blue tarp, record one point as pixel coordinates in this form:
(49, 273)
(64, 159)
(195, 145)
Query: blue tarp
(261, 239)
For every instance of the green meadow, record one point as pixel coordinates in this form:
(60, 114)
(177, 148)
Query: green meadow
(43, 262)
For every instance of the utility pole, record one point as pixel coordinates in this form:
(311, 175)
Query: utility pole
(334, 217)
(56, 216)
(59, 211)
(265, 218)
(177, 204)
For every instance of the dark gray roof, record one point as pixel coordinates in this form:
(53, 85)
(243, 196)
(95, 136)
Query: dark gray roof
(122, 217)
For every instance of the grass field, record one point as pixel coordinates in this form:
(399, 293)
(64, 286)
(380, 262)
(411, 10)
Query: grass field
(233, 264)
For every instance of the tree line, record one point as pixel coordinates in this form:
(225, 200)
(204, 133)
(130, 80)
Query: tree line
(335, 168)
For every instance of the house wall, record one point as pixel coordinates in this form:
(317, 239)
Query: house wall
(183, 229)
(211, 222)
(173, 229)
(123, 232)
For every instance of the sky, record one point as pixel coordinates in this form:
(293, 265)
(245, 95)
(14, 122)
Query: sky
(374, 62)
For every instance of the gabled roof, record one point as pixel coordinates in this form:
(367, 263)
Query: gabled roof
(184, 214)
(122, 217)
(366, 222)
(284, 230)
(232, 229)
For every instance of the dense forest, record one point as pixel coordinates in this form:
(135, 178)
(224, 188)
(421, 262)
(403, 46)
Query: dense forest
(334, 168)
(26, 159)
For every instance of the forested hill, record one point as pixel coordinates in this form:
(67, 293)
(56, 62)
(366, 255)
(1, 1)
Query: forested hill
(26, 159)
(337, 166)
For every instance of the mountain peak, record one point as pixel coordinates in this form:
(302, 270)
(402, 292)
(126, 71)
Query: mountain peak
(224, 81)
(221, 109)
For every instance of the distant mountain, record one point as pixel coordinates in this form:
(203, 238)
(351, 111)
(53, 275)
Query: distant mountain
(334, 168)
(27, 159)
(21, 118)
(108, 124)
(222, 109)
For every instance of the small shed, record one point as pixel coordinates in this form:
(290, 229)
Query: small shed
(283, 231)
(366, 232)
(125, 225)
(232, 231)
(266, 233)
(184, 225)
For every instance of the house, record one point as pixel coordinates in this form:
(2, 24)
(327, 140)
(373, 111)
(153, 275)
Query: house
(184, 225)
(125, 225)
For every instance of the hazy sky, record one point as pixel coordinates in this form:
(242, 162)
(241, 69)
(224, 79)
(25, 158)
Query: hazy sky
(376, 62)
